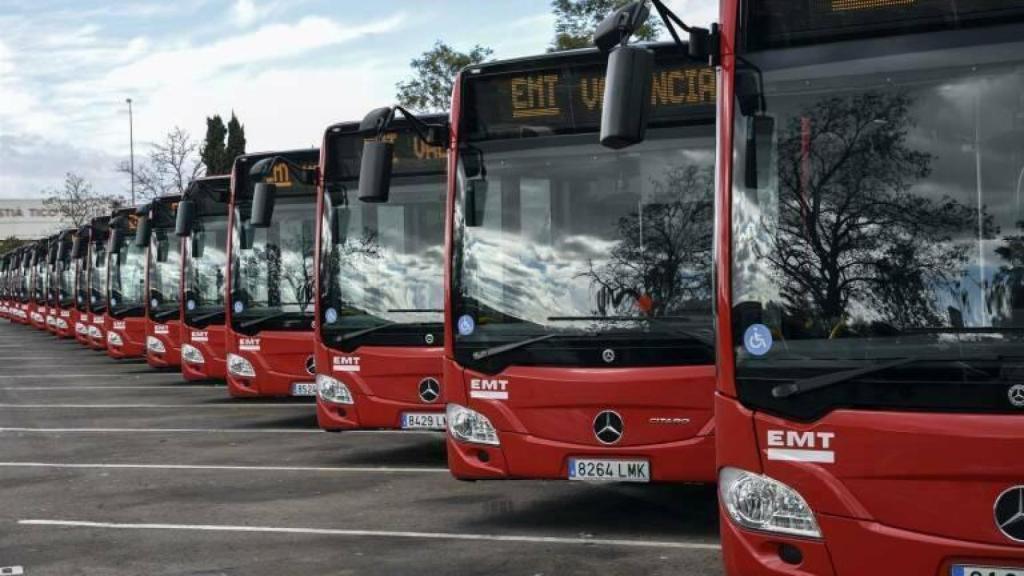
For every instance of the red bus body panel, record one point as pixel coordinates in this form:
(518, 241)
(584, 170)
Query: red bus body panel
(68, 316)
(169, 333)
(279, 359)
(133, 336)
(210, 342)
(98, 337)
(385, 386)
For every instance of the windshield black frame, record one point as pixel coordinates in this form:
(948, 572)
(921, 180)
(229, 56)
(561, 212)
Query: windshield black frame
(963, 356)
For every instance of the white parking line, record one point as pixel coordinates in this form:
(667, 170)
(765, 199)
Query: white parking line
(172, 387)
(158, 406)
(97, 375)
(214, 431)
(378, 534)
(164, 430)
(344, 469)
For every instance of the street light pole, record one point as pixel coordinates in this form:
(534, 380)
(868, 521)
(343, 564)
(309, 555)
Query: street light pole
(131, 145)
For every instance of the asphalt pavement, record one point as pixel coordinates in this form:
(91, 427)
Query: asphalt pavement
(110, 467)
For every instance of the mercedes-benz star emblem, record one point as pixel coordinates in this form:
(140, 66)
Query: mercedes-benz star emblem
(608, 355)
(430, 390)
(429, 339)
(1016, 395)
(1010, 513)
(608, 427)
(311, 365)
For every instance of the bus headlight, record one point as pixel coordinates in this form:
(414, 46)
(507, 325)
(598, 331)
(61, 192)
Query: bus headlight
(62, 324)
(114, 339)
(154, 345)
(760, 503)
(471, 426)
(191, 354)
(238, 366)
(95, 332)
(333, 390)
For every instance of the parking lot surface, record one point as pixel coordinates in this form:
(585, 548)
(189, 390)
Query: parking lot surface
(109, 467)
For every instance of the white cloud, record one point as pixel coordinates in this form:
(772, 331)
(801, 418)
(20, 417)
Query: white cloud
(695, 12)
(246, 12)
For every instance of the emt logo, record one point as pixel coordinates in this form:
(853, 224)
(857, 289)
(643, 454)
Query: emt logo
(488, 389)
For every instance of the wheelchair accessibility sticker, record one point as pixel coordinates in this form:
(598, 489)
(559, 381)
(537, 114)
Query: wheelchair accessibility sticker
(757, 339)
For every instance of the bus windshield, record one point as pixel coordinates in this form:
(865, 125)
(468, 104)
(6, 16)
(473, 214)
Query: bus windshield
(272, 287)
(888, 225)
(205, 269)
(98, 277)
(127, 277)
(571, 236)
(164, 274)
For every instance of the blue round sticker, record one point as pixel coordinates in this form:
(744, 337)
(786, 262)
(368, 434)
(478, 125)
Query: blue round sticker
(331, 316)
(239, 307)
(191, 304)
(113, 301)
(153, 303)
(466, 325)
(757, 339)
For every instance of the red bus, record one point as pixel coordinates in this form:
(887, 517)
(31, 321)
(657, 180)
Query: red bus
(22, 284)
(39, 291)
(870, 405)
(63, 289)
(163, 282)
(202, 223)
(94, 316)
(380, 330)
(269, 339)
(125, 324)
(580, 343)
(6, 276)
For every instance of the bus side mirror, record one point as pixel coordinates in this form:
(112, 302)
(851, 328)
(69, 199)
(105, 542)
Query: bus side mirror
(263, 204)
(116, 238)
(476, 199)
(375, 171)
(185, 219)
(246, 236)
(78, 247)
(143, 232)
(196, 245)
(627, 96)
(340, 217)
(760, 150)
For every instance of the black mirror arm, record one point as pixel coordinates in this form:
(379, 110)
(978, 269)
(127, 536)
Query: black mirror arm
(671, 20)
(421, 128)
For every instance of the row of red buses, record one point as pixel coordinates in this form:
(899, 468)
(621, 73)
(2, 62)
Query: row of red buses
(869, 286)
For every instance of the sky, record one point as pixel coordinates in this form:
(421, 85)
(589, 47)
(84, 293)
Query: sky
(287, 68)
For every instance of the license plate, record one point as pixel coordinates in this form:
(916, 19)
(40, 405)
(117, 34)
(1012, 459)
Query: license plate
(610, 470)
(963, 570)
(304, 389)
(423, 421)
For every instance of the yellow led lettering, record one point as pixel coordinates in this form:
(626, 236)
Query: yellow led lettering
(280, 175)
(425, 151)
(848, 5)
(592, 92)
(707, 86)
(534, 96)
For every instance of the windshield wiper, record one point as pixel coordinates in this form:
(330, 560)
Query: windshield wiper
(165, 314)
(503, 348)
(126, 310)
(825, 380)
(207, 316)
(660, 321)
(413, 310)
(353, 335)
(262, 319)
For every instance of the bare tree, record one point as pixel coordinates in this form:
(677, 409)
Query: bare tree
(172, 164)
(77, 202)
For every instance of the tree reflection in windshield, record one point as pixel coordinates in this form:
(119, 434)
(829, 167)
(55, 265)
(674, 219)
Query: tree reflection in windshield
(887, 208)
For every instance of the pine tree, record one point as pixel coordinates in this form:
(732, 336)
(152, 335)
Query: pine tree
(236, 142)
(212, 152)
